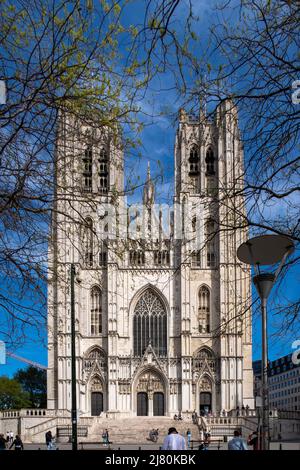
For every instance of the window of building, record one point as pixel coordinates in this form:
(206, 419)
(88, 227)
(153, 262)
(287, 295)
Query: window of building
(96, 311)
(150, 324)
(136, 257)
(162, 258)
(103, 171)
(196, 258)
(210, 241)
(87, 161)
(194, 163)
(210, 162)
(88, 243)
(103, 255)
(204, 310)
(194, 224)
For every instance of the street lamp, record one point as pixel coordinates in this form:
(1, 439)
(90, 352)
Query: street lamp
(262, 251)
(73, 362)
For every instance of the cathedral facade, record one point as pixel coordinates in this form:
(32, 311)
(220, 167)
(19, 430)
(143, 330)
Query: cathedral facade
(162, 305)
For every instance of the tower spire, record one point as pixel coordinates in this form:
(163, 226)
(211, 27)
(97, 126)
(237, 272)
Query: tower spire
(148, 196)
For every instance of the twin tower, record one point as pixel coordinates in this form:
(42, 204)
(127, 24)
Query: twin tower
(163, 317)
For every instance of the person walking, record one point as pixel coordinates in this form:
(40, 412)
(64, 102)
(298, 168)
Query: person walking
(2, 442)
(17, 443)
(237, 443)
(174, 441)
(7, 436)
(11, 436)
(107, 437)
(49, 440)
(189, 438)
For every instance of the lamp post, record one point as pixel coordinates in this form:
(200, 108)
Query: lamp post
(73, 362)
(261, 251)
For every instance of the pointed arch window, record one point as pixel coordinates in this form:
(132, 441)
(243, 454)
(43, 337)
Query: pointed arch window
(88, 243)
(194, 223)
(194, 161)
(87, 161)
(210, 162)
(103, 170)
(204, 309)
(196, 258)
(96, 311)
(150, 324)
(210, 239)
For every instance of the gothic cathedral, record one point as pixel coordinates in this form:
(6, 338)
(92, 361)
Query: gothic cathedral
(162, 305)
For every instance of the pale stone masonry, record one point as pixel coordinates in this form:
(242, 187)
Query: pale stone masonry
(162, 325)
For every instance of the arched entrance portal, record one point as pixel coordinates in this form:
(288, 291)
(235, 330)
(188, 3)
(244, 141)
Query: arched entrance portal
(150, 395)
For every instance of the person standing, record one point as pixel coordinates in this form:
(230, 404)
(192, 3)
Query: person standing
(189, 437)
(2, 442)
(237, 443)
(174, 441)
(17, 443)
(7, 436)
(11, 436)
(49, 438)
(106, 437)
(253, 440)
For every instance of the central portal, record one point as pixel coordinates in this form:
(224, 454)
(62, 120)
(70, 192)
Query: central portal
(150, 398)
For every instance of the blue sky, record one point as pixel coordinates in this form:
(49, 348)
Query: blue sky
(158, 143)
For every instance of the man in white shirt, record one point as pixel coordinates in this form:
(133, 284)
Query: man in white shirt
(174, 441)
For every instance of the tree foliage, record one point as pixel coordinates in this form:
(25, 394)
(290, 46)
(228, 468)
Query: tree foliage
(33, 382)
(11, 395)
(80, 57)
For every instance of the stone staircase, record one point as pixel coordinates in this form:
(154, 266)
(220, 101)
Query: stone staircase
(136, 430)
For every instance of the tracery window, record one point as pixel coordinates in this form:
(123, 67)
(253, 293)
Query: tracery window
(210, 162)
(194, 160)
(150, 324)
(204, 310)
(103, 171)
(96, 311)
(204, 356)
(161, 257)
(87, 174)
(136, 257)
(196, 258)
(210, 239)
(88, 243)
(94, 355)
(103, 254)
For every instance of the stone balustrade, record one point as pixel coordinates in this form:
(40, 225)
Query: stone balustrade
(34, 412)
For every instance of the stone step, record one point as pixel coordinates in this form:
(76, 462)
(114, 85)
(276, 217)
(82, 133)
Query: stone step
(136, 430)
